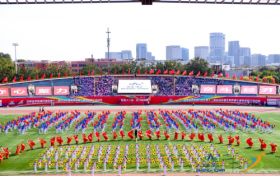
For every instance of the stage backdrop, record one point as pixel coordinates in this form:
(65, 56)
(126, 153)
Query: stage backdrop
(138, 100)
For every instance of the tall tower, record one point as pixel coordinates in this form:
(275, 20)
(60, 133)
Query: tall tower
(233, 50)
(217, 47)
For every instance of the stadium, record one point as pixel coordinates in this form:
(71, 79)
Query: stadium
(125, 124)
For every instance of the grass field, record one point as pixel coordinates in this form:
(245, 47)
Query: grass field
(19, 164)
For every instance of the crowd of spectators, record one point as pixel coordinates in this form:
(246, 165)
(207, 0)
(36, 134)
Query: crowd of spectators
(85, 86)
(104, 86)
(183, 86)
(165, 85)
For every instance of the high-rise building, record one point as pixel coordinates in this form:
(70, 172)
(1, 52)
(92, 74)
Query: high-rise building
(244, 51)
(201, 51)
(185, 54)
(233, 50)
(173, 52)
(258, 60)
(126, 54)
(217, 47)
(141, 50)
(153, 58)
(114, 55)
(273, 58)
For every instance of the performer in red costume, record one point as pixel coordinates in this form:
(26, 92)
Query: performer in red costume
(249, 142)
(176, 135)
(31, 143)
(183, 135)
(75, 137)
(105, 136)
(59, 140)
(157, 134)
(6, 152)
(84, 138)
(22, 147)
(18, 150)
(263, 145)
(201, 136)
(1, 156)
(192, 136)
(210, 137)
(221, 139)
(130, 134)
(52, 140)
(69, 139)
(90, 136)
(114, 135)
(273, 147)
(122, 134)
(230, 140)
(97, 135)
(167, 136)
(42, 142)
(237, 140)
(140, 134)
(148, 133)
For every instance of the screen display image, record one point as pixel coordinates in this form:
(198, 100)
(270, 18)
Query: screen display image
(134, 86)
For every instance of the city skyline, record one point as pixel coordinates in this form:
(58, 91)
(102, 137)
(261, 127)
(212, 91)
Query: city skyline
(58, 36)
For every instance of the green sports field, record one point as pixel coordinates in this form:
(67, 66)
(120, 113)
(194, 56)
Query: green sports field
(20, 164)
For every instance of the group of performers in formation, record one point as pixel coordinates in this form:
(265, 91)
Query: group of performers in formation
(191, 120)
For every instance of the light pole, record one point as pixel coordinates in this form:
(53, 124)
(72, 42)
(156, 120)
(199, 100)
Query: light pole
(15, 45)
(108, 45)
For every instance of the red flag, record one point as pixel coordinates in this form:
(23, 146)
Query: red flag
(21, 79)
(73, 74)
(145, 72)
(43, 76)
(29, 78)
(101, 72)
(198, 73)
(108, 72)
(139, 72)
(265, 79)
(123, 72)
(205, 74)
(220, 74)
(226, 75)
(273, 80)
(88, 73)
(171, 72)
(191, 73)
(14, 80)
(165, 72)
(234, 76)
(178, 72)
(212, 75)
(5, 80)
(129, 71)
(257, 78)
(58, 75)
(185, 72)
(152, 71)
(92, 72)
(51, 76)
(241, 77)
(158, 72)
(250, 77)
(80, 73)
(65, 74)
(37, 77)
(115, 72)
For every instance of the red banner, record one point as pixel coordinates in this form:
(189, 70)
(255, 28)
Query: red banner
(267, 90)
(43, 91)
(61, 90)
(4, 92)
(18, 91)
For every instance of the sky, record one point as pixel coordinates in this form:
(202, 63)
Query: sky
(75, 31)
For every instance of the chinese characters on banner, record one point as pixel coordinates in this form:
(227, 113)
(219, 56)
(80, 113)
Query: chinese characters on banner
(43, 91)
(224, 89)
(207, 89)
(61, 90)
(18, 91)
(249, 89)
(4, 92)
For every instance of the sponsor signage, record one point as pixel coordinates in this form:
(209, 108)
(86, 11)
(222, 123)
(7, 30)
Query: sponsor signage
(224, 89)
(267, 90)
(43, 91)
(61, 90)
(4, 92)
(208, 89)
(249, 89)
(18, 91)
